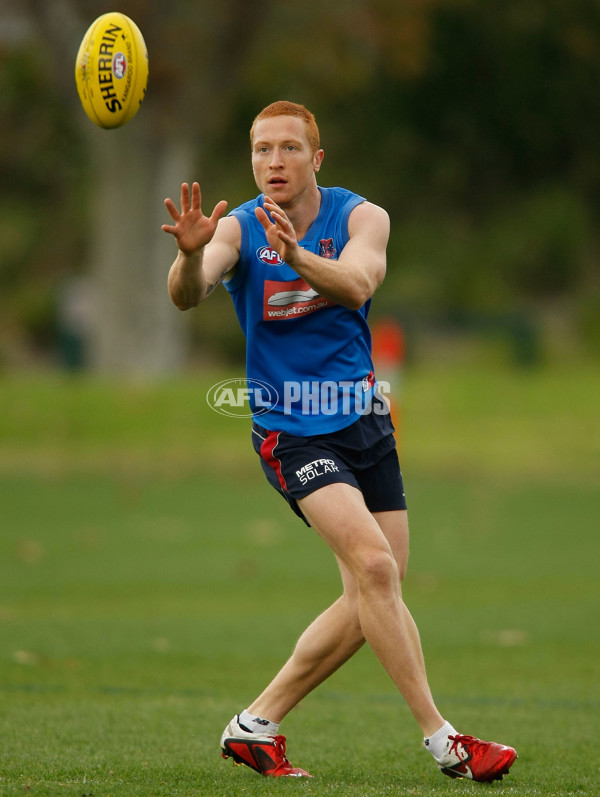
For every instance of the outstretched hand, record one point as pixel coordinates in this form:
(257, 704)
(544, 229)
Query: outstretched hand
(280, 231)
(192, 229)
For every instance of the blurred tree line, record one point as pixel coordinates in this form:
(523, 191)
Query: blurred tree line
(473, 122)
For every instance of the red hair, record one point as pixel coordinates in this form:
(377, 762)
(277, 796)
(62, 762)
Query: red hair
(285, 108)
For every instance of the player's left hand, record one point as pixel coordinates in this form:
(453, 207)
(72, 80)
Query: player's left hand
(279, 231)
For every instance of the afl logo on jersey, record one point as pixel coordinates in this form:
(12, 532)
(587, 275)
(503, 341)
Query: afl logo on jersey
(269, 256)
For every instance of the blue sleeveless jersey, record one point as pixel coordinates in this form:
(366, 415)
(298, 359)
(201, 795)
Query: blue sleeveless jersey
(307, 358)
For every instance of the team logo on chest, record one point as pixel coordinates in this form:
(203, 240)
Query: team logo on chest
(326, 248)
(269, 256)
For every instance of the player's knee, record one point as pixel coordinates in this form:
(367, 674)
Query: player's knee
(378, 570)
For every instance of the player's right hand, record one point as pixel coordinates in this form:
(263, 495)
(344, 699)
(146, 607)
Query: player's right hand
(192, 229)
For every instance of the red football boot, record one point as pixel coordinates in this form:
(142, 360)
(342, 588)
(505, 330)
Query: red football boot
(263, 753)
(468, 757)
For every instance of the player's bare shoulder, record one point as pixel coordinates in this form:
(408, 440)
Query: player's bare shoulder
(369, 219)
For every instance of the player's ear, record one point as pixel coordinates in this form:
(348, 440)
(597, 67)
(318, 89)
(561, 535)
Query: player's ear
(318, 159)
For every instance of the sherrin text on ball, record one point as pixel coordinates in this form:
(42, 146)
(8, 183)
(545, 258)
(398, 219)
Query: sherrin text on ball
(111, 70)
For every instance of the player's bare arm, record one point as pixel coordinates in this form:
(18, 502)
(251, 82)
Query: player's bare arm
(208, 248)
(351, 279)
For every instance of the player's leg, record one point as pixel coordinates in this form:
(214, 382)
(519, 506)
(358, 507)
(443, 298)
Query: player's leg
(338, 513)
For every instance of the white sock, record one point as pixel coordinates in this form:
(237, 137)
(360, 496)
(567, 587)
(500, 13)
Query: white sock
(251, 722)
(438, 743)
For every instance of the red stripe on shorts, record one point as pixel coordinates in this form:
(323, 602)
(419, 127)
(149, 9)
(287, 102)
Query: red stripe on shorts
(266, 451)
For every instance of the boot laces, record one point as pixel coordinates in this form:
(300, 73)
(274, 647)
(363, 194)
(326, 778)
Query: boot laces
(279, 743)
(465, 741)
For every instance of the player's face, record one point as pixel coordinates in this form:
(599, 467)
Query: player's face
(283, 162)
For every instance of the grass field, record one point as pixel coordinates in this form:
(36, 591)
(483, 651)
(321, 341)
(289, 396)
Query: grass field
(151, 583)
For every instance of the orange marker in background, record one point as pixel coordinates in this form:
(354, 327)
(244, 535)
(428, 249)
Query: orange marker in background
(389, 354)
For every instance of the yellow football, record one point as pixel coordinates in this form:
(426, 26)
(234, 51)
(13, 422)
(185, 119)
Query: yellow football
(111, 70)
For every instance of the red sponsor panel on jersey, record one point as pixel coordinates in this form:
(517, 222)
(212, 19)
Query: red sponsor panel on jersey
(283, 300)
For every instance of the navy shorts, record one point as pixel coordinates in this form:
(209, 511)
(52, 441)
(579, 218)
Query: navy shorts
(362, 454)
